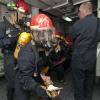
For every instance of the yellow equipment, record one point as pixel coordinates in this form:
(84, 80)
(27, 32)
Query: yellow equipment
(23, 39)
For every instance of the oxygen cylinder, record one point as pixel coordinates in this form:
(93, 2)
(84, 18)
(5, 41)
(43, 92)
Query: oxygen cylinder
(23, 39)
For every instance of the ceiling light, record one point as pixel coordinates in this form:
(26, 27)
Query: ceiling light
(67, 19)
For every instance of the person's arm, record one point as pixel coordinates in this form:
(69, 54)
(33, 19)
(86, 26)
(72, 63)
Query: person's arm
(26, 65)
(75, 31)
(4, 41)
(98, 29)
(72, 33)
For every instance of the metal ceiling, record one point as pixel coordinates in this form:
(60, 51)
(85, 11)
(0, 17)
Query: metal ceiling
(57, 7)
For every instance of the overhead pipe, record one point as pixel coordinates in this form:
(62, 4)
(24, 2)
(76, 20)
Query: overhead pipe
(57, 6)
(63, 4)
(81, 1)
(44, 3)
(48, 5)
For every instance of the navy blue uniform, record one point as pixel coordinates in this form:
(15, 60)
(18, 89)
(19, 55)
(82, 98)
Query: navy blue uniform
(26, 82)
(84, 56)
(8, 39)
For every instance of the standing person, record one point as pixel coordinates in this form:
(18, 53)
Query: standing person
(85, 36)
(57, 57)
(30, 73)
(8, 40)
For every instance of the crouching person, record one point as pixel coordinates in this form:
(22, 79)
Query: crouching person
(29, 77)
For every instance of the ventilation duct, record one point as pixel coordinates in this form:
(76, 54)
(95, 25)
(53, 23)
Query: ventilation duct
(57, 6)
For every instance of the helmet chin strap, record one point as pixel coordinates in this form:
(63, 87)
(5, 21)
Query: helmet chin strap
(17, 18)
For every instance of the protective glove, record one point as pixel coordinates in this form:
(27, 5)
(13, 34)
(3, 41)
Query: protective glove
(53, 91)
(53, 88)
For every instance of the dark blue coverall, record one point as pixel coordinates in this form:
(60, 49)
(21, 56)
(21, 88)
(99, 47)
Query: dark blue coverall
(85, 37)
(8, 39)
(26, 82)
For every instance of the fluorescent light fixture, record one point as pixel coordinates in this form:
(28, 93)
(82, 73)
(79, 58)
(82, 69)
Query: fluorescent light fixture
(67, 19)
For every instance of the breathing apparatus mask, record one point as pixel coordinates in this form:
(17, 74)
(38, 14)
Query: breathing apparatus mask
(43, 38)
(42, 29)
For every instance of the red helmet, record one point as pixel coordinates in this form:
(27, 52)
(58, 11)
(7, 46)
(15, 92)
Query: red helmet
(22, 7)
(41, 21)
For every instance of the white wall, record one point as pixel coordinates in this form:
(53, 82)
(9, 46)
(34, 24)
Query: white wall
(99, 8)
(98, 49)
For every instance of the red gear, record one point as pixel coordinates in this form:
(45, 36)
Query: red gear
(67, 39)
(22, 6)
(41, 21)
(19, 0)
(56, 34)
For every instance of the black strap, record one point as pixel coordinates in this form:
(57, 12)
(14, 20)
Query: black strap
(34, 49)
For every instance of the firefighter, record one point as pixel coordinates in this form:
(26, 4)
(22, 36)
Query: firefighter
(8, 39)
(31, 72)
(22, 12)
(68, 53)
(57, 57)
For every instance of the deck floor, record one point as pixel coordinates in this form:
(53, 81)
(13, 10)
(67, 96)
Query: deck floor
(66, 93)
